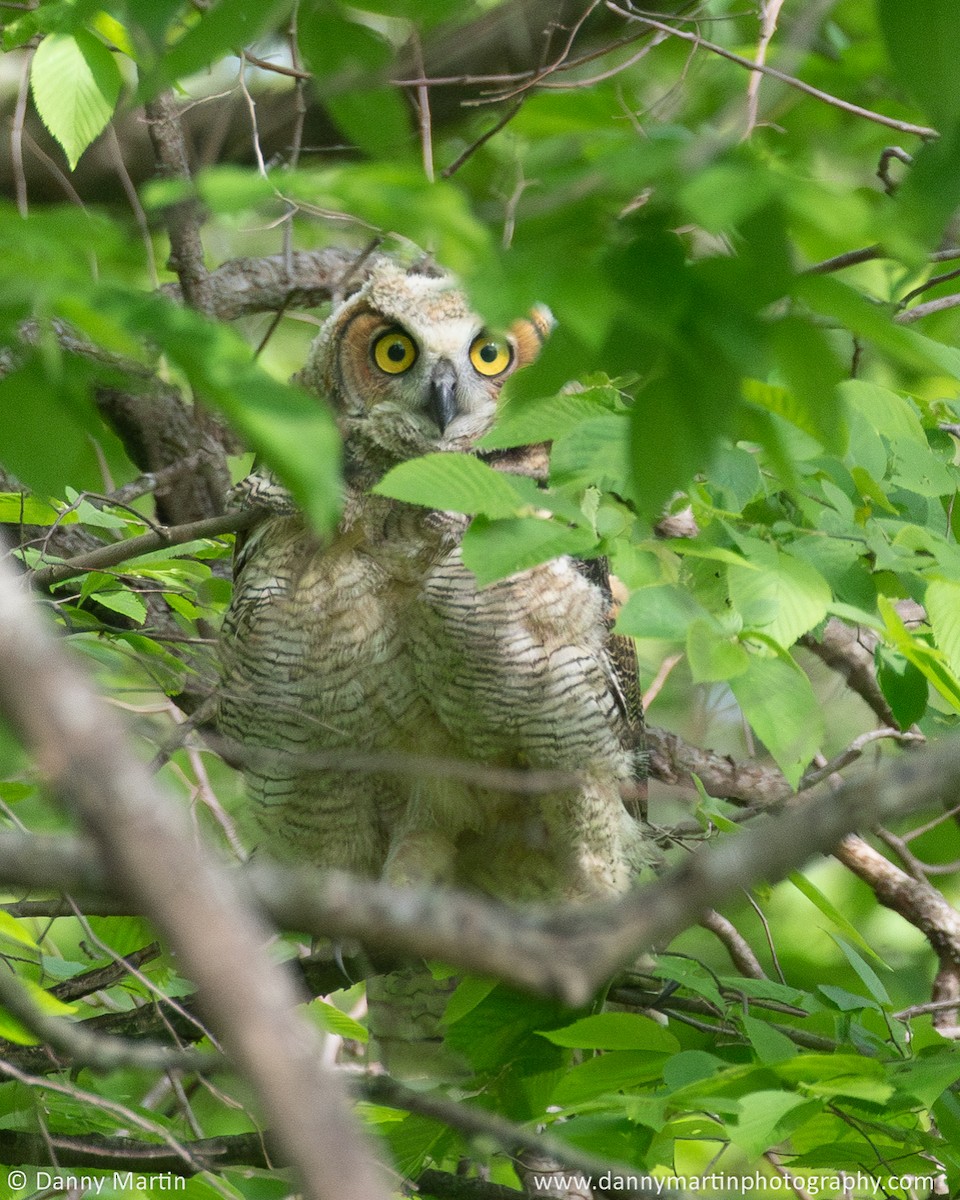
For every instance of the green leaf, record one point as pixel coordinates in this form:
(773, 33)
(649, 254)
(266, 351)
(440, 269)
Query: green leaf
(546, 420)
(127, 603)
(942, 602)
(594, 452)
(846, 1001)
(767, 1118)
(778, 701)
(333, 1020)
(868, 976)
(494, 550)
(228, 25)
(838, 1075)
(614, 1031)
(16, 507)
(926, 659)
(345, 57)
(808, 362)
(607, 1074)
(832, 913)
(781, 595)
(921, 40)
(452, 482)
(15, 931)
(41, 396)
(713, 656)
(660, 612)
(771, 1045)
(75, 84)
(904, 686)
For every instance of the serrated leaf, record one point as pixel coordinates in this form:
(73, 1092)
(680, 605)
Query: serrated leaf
(785, 598)
(75, 84)
(546, 420)
(128, 604)
(453, 483)
(494, 550)
(778, 701)
(614, 1031)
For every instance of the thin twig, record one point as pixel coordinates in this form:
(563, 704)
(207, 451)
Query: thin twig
(925, 310)
(16, 135)
(481, 141)
(921, 131)
(121, 552)
(769, 12)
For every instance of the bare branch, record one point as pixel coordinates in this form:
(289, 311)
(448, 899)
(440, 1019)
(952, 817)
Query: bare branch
(941, 304)
(568, 951)
(305, 278)
(737, 946)
(849, 652)
(81, 748)
(183, 221)
(769, 13)
(921, 131)
(102, 1052)
(120, 552)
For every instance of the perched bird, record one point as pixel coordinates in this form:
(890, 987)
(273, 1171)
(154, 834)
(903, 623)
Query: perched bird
(379, 642)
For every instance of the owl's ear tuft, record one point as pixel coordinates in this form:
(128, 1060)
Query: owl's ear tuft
(529, 333)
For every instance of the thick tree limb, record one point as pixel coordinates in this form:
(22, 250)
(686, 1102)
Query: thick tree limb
(304, 279)
(567, 952)
(80, 746)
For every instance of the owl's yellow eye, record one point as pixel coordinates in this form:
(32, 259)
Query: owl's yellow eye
(490, 355)
(394, 352)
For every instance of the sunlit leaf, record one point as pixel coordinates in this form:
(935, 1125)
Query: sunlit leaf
(75, 84)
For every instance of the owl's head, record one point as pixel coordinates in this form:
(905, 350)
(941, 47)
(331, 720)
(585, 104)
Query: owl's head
(410, 369)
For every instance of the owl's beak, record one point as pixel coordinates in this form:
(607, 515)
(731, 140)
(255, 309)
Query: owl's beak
(442, 396)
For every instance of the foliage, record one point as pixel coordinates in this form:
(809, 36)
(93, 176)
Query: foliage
(806, 417)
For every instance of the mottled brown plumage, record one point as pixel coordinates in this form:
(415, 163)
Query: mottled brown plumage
(380, 641)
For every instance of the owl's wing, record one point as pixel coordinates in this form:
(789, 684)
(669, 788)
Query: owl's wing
(534, 461)
(624, 683)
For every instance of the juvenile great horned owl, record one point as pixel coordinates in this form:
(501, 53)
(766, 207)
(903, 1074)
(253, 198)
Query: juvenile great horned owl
(379, 642)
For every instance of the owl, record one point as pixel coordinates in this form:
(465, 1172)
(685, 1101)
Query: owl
(347, 659)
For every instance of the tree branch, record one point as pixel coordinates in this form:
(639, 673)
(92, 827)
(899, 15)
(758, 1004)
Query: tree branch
(566, 952)
(120, 552)
(921, 131)
(81, 748)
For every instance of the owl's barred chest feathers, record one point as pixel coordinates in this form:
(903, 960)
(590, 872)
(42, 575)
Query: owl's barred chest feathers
(390, 605)
(344, 661)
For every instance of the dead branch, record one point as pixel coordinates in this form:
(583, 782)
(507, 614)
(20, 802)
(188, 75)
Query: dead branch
(566, 952)
(81, 749)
